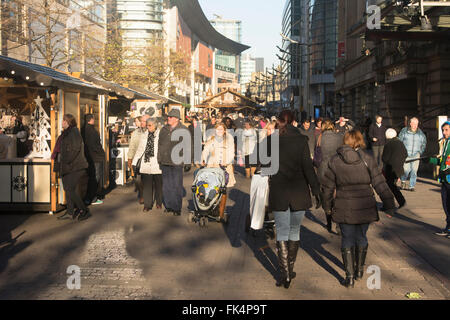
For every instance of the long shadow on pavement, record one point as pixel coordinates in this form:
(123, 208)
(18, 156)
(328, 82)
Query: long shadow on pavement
(313, 243)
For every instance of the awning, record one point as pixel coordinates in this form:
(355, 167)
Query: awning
(118, 89)
(193, 15)
(47, 77)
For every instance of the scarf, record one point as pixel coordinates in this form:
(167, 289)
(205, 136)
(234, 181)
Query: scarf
(57, 148)
(150, 148)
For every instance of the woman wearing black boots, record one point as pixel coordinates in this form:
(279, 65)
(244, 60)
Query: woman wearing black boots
(353, 173)
(289, 195)
(72, 166)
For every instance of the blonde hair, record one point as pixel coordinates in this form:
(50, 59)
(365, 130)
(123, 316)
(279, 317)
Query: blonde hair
(327, 125)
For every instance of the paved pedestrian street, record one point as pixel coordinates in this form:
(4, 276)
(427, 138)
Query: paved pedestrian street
(125, 254)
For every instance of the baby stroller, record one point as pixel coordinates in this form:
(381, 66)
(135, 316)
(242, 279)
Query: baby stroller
(208, 188)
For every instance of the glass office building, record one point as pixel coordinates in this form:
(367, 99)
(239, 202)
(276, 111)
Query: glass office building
(141, 21)
(231, 29)
(323, 53)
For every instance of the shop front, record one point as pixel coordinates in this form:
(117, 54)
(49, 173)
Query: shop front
(33, 100)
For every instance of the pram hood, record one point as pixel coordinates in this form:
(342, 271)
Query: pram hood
(208, 183)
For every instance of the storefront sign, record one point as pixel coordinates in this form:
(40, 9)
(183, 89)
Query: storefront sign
(397, 73)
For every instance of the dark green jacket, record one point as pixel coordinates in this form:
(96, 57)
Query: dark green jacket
(445, 157)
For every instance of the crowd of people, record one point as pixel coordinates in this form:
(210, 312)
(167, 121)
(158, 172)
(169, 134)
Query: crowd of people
(322, 161)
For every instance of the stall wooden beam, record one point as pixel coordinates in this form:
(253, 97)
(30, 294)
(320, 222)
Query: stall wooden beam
(54, 183)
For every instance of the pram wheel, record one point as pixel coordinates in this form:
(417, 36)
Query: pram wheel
(203, 222)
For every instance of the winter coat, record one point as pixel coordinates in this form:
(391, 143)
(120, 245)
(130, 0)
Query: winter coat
(216, 152)
(296, 178)
(355, 201)
(394, 156)
(379, 133)
(249, 141)
(219, 153)
(92, 146)
(166, 145)
(134, 142)
(415, 142)
(347, 127)
(329, 143)
(310, 133)
(151, 167)
(72, 151)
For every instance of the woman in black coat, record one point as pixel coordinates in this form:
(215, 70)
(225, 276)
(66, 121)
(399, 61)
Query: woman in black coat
(353, 173)
(328, 142)
(73, 166)
(289, 195)
(394, 156)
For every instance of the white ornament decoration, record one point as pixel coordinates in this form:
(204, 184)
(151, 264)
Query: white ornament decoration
(40, 132)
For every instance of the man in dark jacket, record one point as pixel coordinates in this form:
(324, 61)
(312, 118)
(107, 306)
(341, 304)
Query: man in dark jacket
(307, 130)
(95, 157)
(377, 137)
(172, 172)
(394, 156)
(73, 166)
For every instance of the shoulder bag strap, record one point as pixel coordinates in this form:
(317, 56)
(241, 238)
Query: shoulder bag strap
(365, 164)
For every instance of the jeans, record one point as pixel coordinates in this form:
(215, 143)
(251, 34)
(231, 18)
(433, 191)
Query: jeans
(152, 184)
(287, 224)
(411, 169)
(172, 187)
(70, 182)
(445, 194)
(377, 154)
(354, 235)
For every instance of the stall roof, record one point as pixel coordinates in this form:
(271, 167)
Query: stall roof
(193, 15)
(120, 90)
(46, 76)
(156, 96)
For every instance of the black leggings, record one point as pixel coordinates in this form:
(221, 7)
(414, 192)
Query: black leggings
(354, 235)
(70, 183)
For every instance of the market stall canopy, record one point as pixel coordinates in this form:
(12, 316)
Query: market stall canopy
(228, 99)
(193, 15)
(46, 76)
(156, 96)
(118, 89)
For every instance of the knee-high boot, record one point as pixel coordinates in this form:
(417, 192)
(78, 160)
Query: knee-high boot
(348, 257)
(283, 254)
(293, 249)
(361, 253)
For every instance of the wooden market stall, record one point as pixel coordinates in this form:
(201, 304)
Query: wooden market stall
(228, 100)
(40, 96)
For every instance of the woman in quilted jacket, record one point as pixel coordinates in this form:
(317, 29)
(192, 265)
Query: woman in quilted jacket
(354, 174)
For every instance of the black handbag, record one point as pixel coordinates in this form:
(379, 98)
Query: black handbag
(137, 167)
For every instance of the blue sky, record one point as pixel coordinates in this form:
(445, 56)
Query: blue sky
(261, 23)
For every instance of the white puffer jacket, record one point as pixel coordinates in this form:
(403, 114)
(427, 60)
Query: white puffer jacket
(151, 167)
